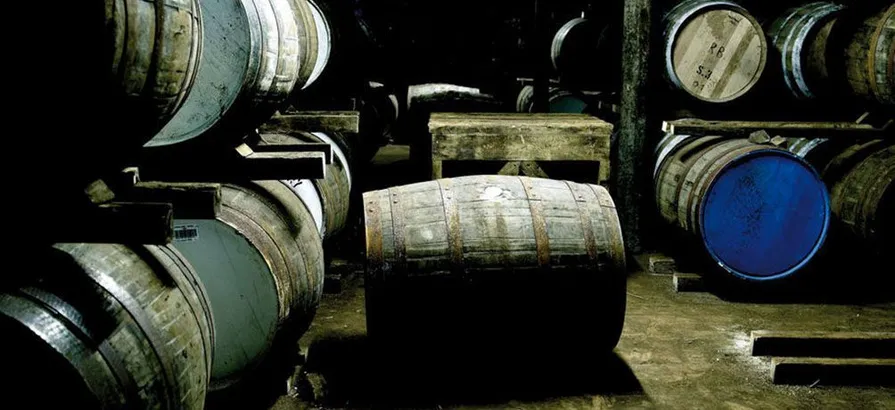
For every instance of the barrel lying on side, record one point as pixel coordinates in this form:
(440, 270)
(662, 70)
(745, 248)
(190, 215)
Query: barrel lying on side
(714, 50)
(559, 101)
(760, 212)
(861, 179)
(491, 258)
(249, 65)
(328, 198)
(801, 35)
(262, 264)
(118, 327)
(155, 49)
(870, 58)
(580, 51)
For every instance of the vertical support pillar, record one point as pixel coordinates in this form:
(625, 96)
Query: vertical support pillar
(632, 171)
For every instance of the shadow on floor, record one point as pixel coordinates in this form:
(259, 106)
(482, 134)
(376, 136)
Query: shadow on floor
(359, 375)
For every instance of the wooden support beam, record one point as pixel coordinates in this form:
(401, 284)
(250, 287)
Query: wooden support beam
(190, 200)
(688, 282)
(326, 149)
(853, 372)
(774, 128)
(242, 165)
(346, 122)
(632, 177)
(116, 222)
(824, 344)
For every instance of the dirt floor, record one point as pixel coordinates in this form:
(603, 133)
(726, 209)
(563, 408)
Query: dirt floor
(678, 350)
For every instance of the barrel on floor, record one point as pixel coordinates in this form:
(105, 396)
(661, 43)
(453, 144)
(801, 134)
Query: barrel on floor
(759, 211)
(511, 262)
(117, 327)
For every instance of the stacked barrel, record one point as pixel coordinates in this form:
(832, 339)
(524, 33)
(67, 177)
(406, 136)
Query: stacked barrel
(861, 180)
(826, 48)
(758, 211)
(134, 326)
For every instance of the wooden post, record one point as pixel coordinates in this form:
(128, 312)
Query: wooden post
(632, 153)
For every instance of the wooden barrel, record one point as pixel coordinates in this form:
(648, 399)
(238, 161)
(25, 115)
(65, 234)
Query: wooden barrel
(331, 194)
(800, 36)
(870, 58)
(560, 101)
(495, 256)
(262, 264)
(579, 52)
(249, 65)
(155, 49)
(760, 212)
(122, 327)
(863, 195)
(317, 41)
(714, 50)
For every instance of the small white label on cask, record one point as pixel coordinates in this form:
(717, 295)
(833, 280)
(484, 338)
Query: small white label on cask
(186, 233)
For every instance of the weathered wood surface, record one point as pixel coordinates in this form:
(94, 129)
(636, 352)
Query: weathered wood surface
(241, 165)
(308, 42)
(580, 49)
(521, 137)
(248, 66)
(326, 149)
(688, 282)
(322, 42)
(833, 372)
(800, 36)
(786, 129)
(631, 180)
(879, 345)
(333, 190)
(190, 200)
(131, 321)
(155, 52)
(870, 58)
(446, 238)
(311, 121)
(262, 263)
(714, 50)
(864, 199)
(115, 222)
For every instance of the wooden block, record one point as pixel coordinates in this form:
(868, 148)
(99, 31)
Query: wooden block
(98, 192)
(246, 166)
(785, 129)
(688, 282)
(662, 265)
(190, 200)
(824, 344)
(346, 122)
(811, 371)
(326, 149)
(117, 222)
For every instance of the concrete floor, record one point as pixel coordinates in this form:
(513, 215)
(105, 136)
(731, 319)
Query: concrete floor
(678, 350)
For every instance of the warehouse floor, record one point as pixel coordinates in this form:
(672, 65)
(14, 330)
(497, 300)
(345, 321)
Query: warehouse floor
(678, 350)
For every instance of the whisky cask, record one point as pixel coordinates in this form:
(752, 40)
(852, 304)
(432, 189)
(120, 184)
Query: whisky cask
(800, 37)
(249, 65)
(155, 48)
(493, 257)
(580, 50)
(560, 101)
(760, 212)
(863, 201)
(714, 51)
(870, 58)
(117, 327)
(262, 264)
(327, 198)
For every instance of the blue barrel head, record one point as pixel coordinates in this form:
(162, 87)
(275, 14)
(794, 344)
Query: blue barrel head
(765, 215)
